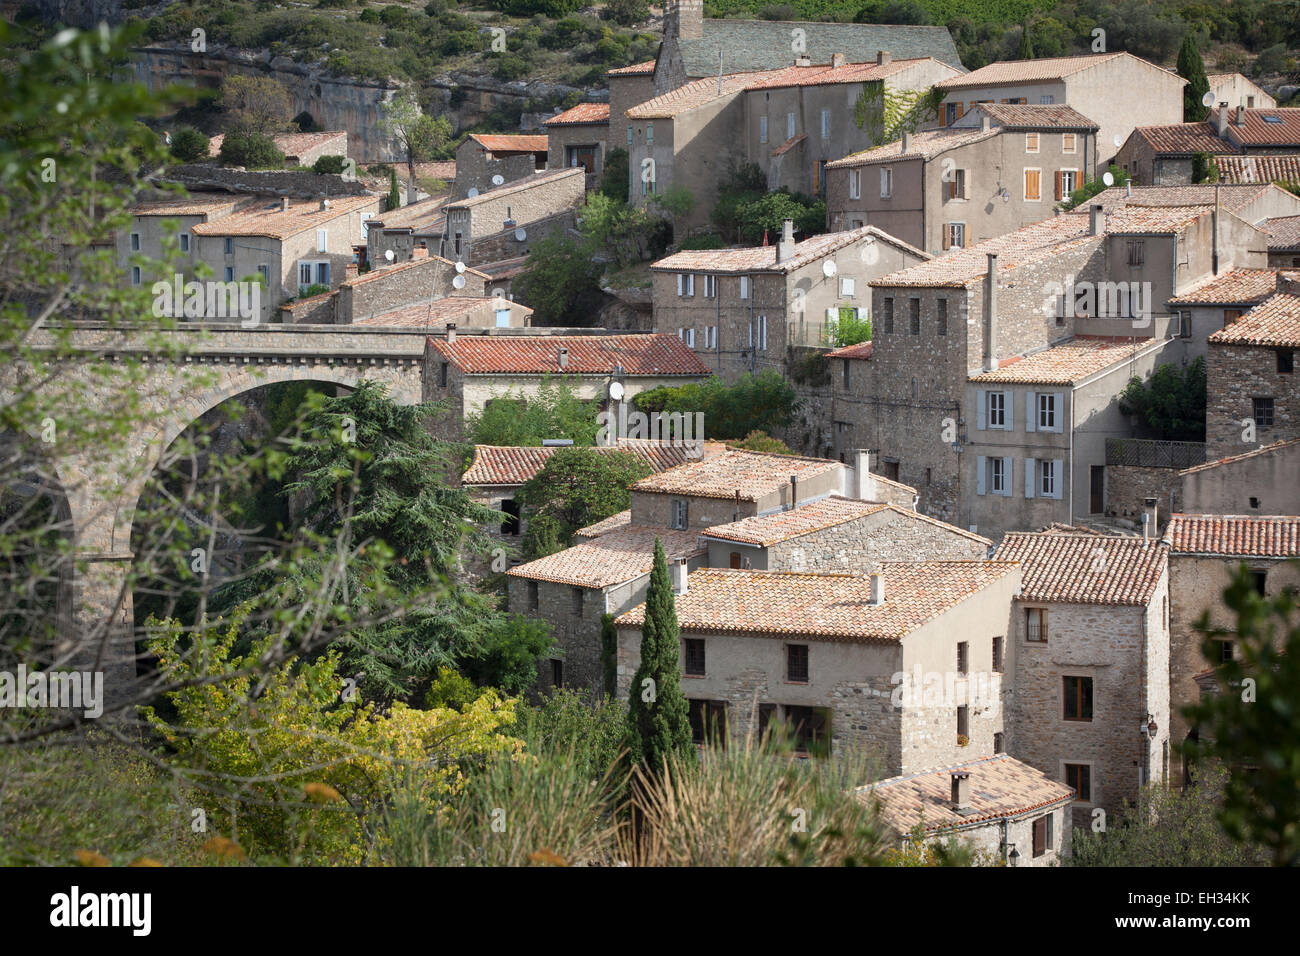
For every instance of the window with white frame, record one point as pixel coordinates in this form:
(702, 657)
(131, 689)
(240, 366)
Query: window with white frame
(710, 287)
(826, 124)
(744, 287)
(685, 283)
(958, 185)
(997, 476)
(185, 241)
(997, 405)
(886, 183)
(855, 184)
(789, 126)
(313, 273)
(1047, 99)
(1067, 182)
(1048, 415)
(954, 235)
(847, 286)
(503, 318)
(762, 129)
(687, 336)
(1047, 478)
(710, 336)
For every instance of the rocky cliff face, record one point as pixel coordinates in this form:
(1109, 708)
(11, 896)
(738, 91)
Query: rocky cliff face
(80, 13)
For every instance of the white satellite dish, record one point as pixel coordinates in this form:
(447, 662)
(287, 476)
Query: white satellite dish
(1108, 179)
(1208, 98)
(389, 255)
(473, 191)
(498, 179)
(521, 233)
(460, 267)
(498, 293)
(458, 282)
(615, 390)
(828, 268)
(1118, 140)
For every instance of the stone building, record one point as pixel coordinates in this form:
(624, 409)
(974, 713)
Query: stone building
(419, 225)
(1236, 90)
(1089, 652)
(1255, 203)
(993, 170)
(579, 137)
(503, 222)
(1118, 90)
(168, 224)
(1265, 481)
(741, 310)
(299, 149)
(1252, 396)
(487, 160)
(1244, 145)
(1164, 155)
(628, 86)
(997, 806)
(1218, 302)
(842, 659)
(467, 372)
(1204, 552)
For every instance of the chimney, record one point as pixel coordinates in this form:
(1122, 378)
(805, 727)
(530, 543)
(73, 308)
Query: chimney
(986, 123)
(684, 19)
(451, 333)
(1240, 118)
(351, 271)
(785, 248)
(324, 204)
(284, 204)
(563, 358)
(1094, 219)
(794, 492)
(837, 60)
(877, 597)
(883, 57)
(961, 790)
(991, 314)
(1128, 189)
(862, 470)
(803, 61)
(678, 574)
(1221, 120)
(421, 253)
(907, 141)
(1150, 519)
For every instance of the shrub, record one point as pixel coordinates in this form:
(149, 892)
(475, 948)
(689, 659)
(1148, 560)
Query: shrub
(252, 151)
(330, 164)
(190, 146)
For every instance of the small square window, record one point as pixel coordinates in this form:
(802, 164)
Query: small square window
(796, 663)
(1079, 776)
(1225, 651)
(1262, 410)
(1078, 698)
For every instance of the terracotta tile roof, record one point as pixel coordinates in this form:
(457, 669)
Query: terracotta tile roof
(696, 93)
(1259, 169)
(656, 353)
(196, 204)
(1023, 116)
(1184, 139)
(1000, 787)
(1283, 233)
(1065, 364)
(515, 464)
(291, 144)
(752, 474)
(789, 144)
(1232, 198)
(1262, 127)
(826, 74)
(767, 530)
(763, 258)
(584, 114)
(860, 351)
(612, 558)
(546, 177)
(1079, 568)
(924, 145)
(833, 607)
(435, 313)
(420, 216)
(269, 220)
(1232, 459)
(636, 69)
(1234, 535)
(510, 142)
(613, 523)
(504, 268)
(1138, 220)
(1239, 286)
(1028, 71)
(379, 273)
(1275, 321)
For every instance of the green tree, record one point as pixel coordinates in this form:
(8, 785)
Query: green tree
(894, 11)
(508, 657)
(1192, 69)
(254, 104)
(1253, 723)
(766, 215)
(577, 487)
(419, 136)
(189, 145)
(658, 722)
(1025, 51)
(851, 328)
(615, 177)
(762, 441)
(394, 199)
(331, 165)
(1089, 189)
(251, 150)
(763, 402)
(1171, 403)
(552, 411)
(626, 12)
(560, 282)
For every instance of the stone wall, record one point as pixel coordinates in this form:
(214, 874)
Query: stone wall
(504, 244)
(392, 287)
(1128, 485)
(1267, 483)
(1236, 374)
(294, 183)
(860, 545)
(474, 170)
(577, 635)
(988, 838)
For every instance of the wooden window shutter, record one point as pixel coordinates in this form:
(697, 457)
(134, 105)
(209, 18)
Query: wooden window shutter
(946, 232)
(1059, 183)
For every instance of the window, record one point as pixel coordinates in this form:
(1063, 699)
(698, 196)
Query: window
(998, 742)
(710, 287)
(886, 183)
(887, 315)
(1067, 181)
(629, 136)
(762, 129)
(679, 513)
(1033, 185)
(914, 316)
(1254, 502)
(847, 366)
(135, 242)
(1036, 625)
(941, 316)
(694, 656)
(503, 318)
(1260, 580)
(1040, 835)
(1250, 102)
(1285, 361)
(963, 724)
(442, 376)
(708, 720)
(1047, 99)
(1078, 698)
(265, 272)
(1185, 325)
(855, 184)
(649, 134)
(997, 654)
(789, 126)
(1069, 143)
(185, 241)
(997, 479)
(1262, 409)
(1048, 419)
(810, 729)
(533, 600)
(957, 185)
(847, 286)
(963, 656)
(229, 246)
(687, 336)
(1225, 651)
(1031, 142)
(1079, 776)
(685, 284)
(796, 663)
(229, 273)
(1047, 478)
(826, 124)
(997, 409)
(135, 275)
(575, 595)
(1137, 254)
(735, 560)
(557, 673)
(1230, 316)
(711, 337)
(954, 235)
(744, 287)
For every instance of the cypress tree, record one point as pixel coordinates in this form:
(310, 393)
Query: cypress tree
(394, 194)
(658, 715)
(1192, 69)
(1026, 50)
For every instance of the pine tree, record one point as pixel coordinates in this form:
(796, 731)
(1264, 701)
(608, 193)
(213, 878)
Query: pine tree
(658, 721)
(394, 194)
(1026, 49)
(1192, 69)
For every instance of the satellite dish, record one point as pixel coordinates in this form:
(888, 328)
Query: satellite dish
(460, 267)
(473, 191)
(521, 233)
(498, 293)
(1108, 179)
(458, 282)
(828, 268)
(615, 390)
(1118, 140)
(498, 179)
(1208, 98)
(389, 255)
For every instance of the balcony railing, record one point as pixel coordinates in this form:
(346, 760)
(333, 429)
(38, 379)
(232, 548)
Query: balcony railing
(1149, 453)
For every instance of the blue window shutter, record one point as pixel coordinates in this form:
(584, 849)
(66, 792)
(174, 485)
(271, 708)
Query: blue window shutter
(1009, 403)
(1031, 466)
(1059, 488)
(981, 470)
(1031, 411)
(1008, 477)
(981, 411)
(1058, 401)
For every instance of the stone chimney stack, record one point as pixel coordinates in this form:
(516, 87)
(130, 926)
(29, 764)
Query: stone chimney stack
(785, 247)
(1221, 120)
(961, 790)
(684, 19)
(794, 492)
(1150, 519)
(986, 123)
(837, 60)
(862, 472)
(1094, 219)
(679, 574)
(451, 333)
(883, 57)
(907, 141)
(877, 597)
(1240, 118)
(991, 314)
(562, 358)
(284, 204)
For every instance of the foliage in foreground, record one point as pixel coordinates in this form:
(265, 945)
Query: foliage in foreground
(764, 402)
